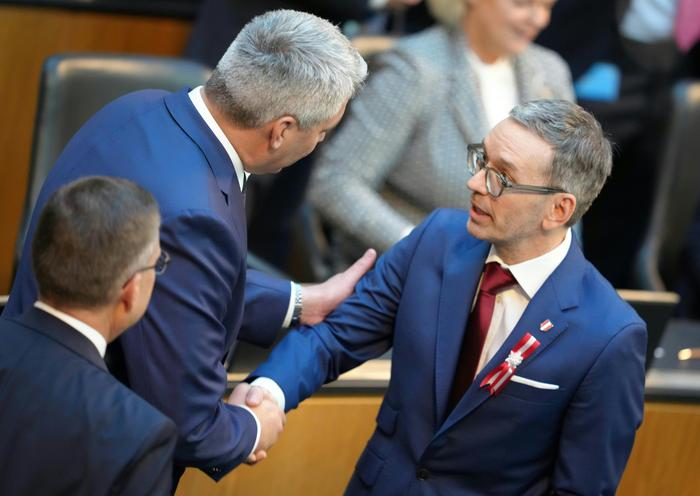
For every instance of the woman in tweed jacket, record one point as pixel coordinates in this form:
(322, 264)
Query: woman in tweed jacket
(401, 151)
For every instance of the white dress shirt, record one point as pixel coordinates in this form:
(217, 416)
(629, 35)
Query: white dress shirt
(95, 337)
(497, 85)
(511, 303)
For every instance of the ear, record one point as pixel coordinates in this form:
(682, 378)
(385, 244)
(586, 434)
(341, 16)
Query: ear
(279, 129)
(129, 293)
(560, 210)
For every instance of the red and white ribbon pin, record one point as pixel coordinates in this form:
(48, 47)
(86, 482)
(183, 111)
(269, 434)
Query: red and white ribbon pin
(500, 376)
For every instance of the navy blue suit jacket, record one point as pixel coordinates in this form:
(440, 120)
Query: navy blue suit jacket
(67, 426)
(526, 440)
(174, 355)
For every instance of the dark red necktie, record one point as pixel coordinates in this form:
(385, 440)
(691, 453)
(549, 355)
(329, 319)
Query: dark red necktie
(495, 279)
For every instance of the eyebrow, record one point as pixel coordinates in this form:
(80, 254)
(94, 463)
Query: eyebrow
(504, 164)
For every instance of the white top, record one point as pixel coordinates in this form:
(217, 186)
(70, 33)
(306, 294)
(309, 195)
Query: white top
(511, 303)
(198, 102)
(95, 337)
(497, 85)
(509, 307)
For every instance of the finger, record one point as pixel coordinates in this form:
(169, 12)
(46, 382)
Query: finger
(239, 394)
(260, 455)
(255, 396)
(251, 460)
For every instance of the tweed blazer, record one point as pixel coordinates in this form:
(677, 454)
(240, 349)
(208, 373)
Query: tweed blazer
(401, 151)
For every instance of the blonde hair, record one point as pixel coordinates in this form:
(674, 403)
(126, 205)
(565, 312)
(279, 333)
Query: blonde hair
(447, 12)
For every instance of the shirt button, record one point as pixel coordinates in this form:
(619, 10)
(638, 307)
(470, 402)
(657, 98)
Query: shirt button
(423, 474)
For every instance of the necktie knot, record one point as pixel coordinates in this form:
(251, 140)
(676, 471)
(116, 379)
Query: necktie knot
(496, 278)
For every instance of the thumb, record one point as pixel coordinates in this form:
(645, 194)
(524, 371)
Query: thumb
(353, 273)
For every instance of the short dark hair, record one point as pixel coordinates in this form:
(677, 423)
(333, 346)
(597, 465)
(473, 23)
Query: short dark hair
(92, 234)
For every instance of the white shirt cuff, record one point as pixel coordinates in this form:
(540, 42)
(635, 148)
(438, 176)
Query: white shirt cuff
(257, 424)
(290, 309)
(271, 387)
(377, 4)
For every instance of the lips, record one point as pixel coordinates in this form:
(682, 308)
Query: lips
(477, 212)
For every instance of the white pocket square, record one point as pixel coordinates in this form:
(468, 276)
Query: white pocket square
(535, 384)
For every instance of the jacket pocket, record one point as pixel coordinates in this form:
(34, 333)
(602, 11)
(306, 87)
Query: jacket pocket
(368, 467)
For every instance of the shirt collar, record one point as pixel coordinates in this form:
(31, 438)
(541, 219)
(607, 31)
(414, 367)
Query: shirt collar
(531, 274)
(198, 102)
(95, 337)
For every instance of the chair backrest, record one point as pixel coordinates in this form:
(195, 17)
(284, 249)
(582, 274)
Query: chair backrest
(75, 86)
(677, 193)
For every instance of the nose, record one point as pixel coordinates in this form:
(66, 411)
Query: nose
(477, 182)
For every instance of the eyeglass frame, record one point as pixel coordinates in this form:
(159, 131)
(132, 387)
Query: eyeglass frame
(159, 267)
(476, 149)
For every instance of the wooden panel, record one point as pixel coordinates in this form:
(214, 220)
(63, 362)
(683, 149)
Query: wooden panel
(27, 36)
(666, 453)
(315, 455)
(324, 437)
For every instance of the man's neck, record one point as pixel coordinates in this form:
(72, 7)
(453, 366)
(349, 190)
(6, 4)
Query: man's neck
(243, 140)
(523, 250)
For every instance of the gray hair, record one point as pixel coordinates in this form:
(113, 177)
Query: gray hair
(286, 62)
(92, 235)
(582, 154)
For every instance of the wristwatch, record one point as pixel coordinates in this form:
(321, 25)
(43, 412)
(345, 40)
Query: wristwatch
(298, 305)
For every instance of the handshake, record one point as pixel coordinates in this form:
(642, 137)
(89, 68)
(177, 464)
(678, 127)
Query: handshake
(268, 412)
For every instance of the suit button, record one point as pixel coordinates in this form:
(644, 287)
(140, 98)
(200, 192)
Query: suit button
(423, 474)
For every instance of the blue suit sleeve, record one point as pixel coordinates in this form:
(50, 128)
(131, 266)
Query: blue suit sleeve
(174, 354)
(358, 330)
(604, 414)
(266, 304)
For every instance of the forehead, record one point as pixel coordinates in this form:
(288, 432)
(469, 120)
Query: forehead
(513, 146)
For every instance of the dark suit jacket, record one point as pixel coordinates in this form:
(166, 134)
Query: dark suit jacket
(174, 355)
(527, 440)
(67, 426)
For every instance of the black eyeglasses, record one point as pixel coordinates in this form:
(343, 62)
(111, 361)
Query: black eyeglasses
(160, 266)
(496, 182)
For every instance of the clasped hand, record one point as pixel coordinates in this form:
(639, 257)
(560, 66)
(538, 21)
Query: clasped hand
(268, 412)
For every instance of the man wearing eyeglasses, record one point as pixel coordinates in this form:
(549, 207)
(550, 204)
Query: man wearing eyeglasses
(516, 368)
(67, 426)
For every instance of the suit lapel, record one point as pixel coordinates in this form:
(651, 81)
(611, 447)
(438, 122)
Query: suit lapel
(559, 293)
(467, 108)
(463, 266)
(185, 114)
(62, 333)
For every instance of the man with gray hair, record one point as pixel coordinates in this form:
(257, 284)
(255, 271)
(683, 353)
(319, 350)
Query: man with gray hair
(516, 368)
(67, 426)
(283, 83)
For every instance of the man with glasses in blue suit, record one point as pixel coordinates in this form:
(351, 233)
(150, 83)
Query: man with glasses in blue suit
(68, 426)
(516, 368)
